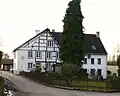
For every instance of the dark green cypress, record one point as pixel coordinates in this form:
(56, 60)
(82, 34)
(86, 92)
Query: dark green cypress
(72, 42)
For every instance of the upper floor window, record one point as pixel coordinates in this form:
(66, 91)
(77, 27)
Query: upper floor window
(30, 65)
(57, 53)
(50, 43)
(49, 54)
(30, 54)
(99, 60)
(38, 54)
(92, 60)
(85, 60)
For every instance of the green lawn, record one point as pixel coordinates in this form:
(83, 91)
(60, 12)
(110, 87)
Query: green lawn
(89, 83)
(84, 85)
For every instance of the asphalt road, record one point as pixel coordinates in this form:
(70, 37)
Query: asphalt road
(30, 88)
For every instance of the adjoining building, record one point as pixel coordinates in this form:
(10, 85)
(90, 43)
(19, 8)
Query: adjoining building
(43, 51)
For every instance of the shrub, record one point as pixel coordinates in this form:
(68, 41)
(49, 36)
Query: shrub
(114, 84)
(68, 71)
(112, 77)
(108, 72)
(83, 75)
(38, 70)
(71, 72)
(118, 72)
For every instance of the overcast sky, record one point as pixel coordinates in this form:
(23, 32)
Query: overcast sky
(20, 18)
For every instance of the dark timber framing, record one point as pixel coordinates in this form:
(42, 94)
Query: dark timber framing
(46, 47)
(38, 43)
(31, 39)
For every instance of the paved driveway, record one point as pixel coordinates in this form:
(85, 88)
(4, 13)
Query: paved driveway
(30, 88)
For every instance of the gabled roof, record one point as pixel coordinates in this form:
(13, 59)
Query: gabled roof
(32, 38)
(93, 44)
(57, 36)
(90, 41)
(7, 61)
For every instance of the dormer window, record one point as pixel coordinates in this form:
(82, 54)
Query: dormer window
(93, 47)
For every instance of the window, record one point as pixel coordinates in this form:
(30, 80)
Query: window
(49, 54)
(99, 60)
(99, 72)
(85, 60)
(85, 70)
(30, 65)
(57, 53)
(92, 60)
(47, 65)
(38, 54)
(50, 43)
(30, 54)
(93, 47)
(42, 41)
(92, 72)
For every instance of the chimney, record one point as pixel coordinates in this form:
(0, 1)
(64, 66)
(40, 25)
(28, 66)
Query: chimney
(97, 34)
(37, 31)
(53, 30)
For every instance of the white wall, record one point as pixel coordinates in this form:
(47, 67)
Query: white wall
(23, 63)
(96, 66)
(112, 68)
(22, 52)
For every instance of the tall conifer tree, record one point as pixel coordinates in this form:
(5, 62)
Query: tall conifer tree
(72, 47)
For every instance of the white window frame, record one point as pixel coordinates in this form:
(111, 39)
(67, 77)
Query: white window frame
(38, 54)
(30, 65)
(48, 65)
(57, 55)
(100, 73)
(49, 54)
(98, 61)
(50, 43)
(92, 74)
(30, 54)
(86, 60)
(94, 61)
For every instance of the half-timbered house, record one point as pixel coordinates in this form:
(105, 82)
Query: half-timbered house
(43, 51)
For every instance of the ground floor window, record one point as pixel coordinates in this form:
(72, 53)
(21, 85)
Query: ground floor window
(49, 55)
(99, 72)
(92, 72)
(30, 64)
(47, 65)
(85, 70)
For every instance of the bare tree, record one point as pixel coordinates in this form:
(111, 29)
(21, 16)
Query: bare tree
(118, 64)
(6, 56)
(1, 54)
